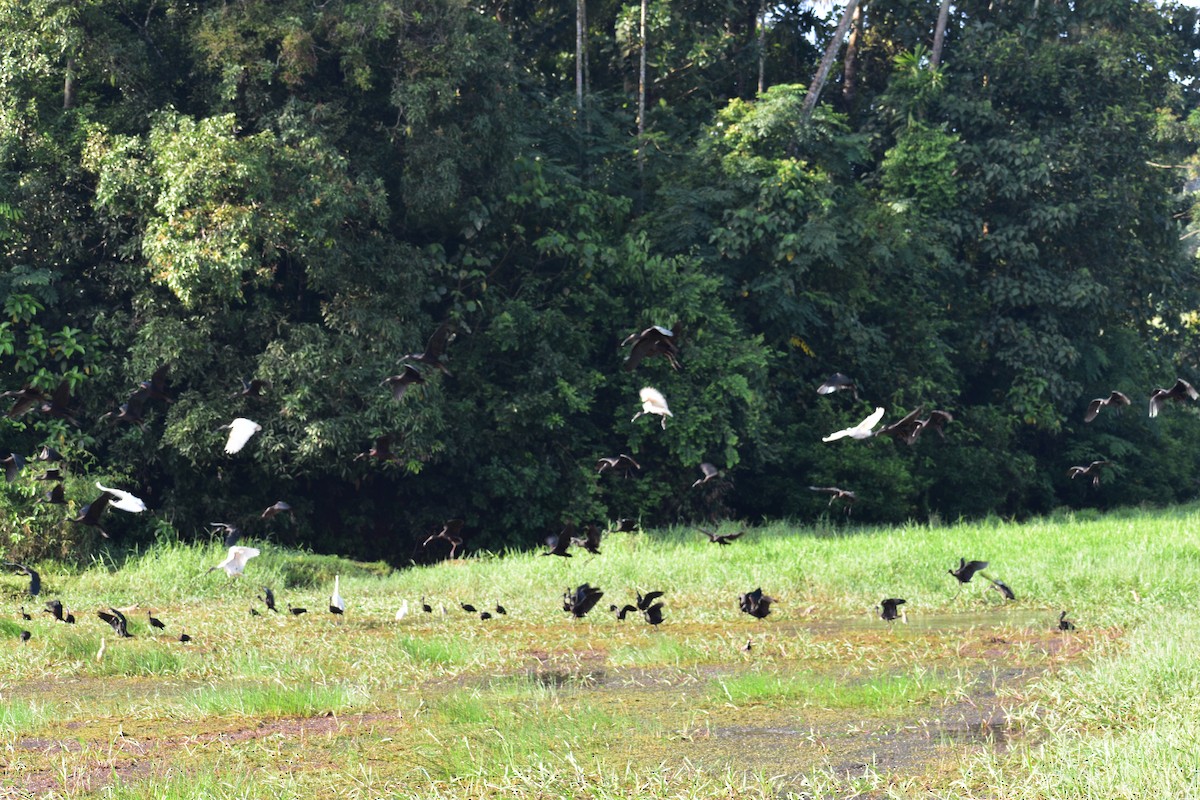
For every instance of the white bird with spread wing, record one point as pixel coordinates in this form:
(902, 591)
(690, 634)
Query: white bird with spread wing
(123, 500)
(235, 562)
(240, 431)
(653, 402)
(860, 431)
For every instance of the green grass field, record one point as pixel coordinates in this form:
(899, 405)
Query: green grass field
(973, 697)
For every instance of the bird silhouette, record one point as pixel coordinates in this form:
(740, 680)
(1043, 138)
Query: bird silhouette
(236, 560)
(25, 614)
(155, 388)
(35, 580)
(13, 464)
(626, 525)
(755, 603)
(967, 569)
(888, 608)
(1002, 588)
(653, 614)
(707, 473)
(254, 612)
(49, 454)
(117, 621)
(52, 474)
(240, 431)
(936, 422)
(400, 382)
(336, 604)
(1092, 471)
(268, 598)
(591, 539)
(582, 600)
(860, 431)
(906, 429)
(183, 637)
(435, 349)
(1180, 392)
(721, 538)
(558, 544)
(470, 609)
(24, 399)
(296, 611)
(838, 382)
(57, 405)
(1114, 398)
(155, 622)
(252, 387)
(25, 636)
(55, 609)
(90, 514)
(620, 613)
(623, 463)
(123, 500)
(485, 615)
(501, 609)
(56, 496)
(129, 413)
(381, 450)
(450, 532)
(276, 508)
(644, 601)
(835, 494)
(653, 402)
(233, 533)
(1065, 624)
(428, 609)
(653, 341)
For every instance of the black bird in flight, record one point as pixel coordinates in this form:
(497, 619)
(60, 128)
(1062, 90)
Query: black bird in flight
(967, 569)
(399, 383)
(435, 350)
(1092, 471)
(153, 389)
(889, 608)
(232, 532)
(1002, 588)
(55, 609)
(582, 600)
(278, 507)
(381, 450)
(56, 496)
(590, 540)
(838, 382)
(130, 413)
(626, 525)
(155, 622)
(58, 404)
(268, 598)
(623, 463)
(936, 421)
(1181, 391)
(118, 622)
(644, 601)
(707, 473)
(13, 464)
(51, 474)
(558, 544)
(450, 532)
(721, 538)
(90, 514)
(252, 387)
(1065, 624)
(845, 495)
(48, 453)
(906, 429)
(755, 603)
(35, 580)
(1115, 398)
(24, 399)
(653, 341)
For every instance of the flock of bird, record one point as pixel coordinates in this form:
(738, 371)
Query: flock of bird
(655, 341)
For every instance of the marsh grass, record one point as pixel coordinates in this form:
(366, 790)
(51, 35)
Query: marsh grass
(22, 715)
(271, 700)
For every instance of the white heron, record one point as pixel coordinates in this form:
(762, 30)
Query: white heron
(402, 611)
(240, 431)
(653, 402)
(860, 431)
(235, 562)
(124, 500)
(336, 604)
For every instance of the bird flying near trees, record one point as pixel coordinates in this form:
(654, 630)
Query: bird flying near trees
(1092, 471)
(590, 540)
(400, 382)
(838, 382)
(232, 532)
(236, 560)
(1179, 392)
(240, 431)
(13, 464)
(845, 495)
(623, 463)
(252, 387)
(558, 544)
(90, 514)
(450, 533)
(653, 402)
(967, 569)
(123, 500)
(860, 431)
(721, 538)
(1114, 398)
(906, 429)
(278, 507)
(435, 350)
(653, 341)
(707, 473)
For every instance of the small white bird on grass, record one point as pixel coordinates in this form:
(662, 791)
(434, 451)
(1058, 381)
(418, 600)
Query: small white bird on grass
(653, 403)
(336, 604)
(240, 431)
(123, 500)
(860, 431)
(402, 611)
(235, 562)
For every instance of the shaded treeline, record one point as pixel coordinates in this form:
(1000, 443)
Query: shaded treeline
(303, 194)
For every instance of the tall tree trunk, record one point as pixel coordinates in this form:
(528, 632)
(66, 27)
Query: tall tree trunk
(850, 70)
(761, 23)
(641, 114)
(69, 85)
(939, 34)
(831, 51)
(580, 25)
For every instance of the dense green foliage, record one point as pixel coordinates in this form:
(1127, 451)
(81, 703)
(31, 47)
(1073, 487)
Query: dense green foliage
(302, 193)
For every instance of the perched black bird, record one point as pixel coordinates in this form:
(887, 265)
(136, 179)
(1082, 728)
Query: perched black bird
(428, 609)
(13, 464)
(268, 597)
(707, 473)
(90, 514)
(254, 612)
(653, 614)
(118, 622)
(590, 540)
(1003, 589)
(558, 544)
(1065, 624)
(435, 349)
(1181, 391)
(399, 383)
(721, 538)
(1092, 471)
(183, 637)
(278, 507)
(1117, 399)
(155, 622)
(485, 615)
(622, 462)
(298, 611)
(232, 532)
(653, 341)
(25, 614)
(26, 636)
(755, 603)
(35, 580)
(967, 569)
(470, 609)
(888, 608)
(582, 600)
(620, 613)
(450, 532)
(55, 609)
(501, 609)
(838, 382)
(56, 496)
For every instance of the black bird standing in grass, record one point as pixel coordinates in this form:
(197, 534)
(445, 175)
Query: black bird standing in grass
(117, 621)
(297, 611)
(26, 636)
(653, 614)
(183, 637)
(1065, 624)
(470, 609)
(428, 609)
(268, 597)
(755, 603)
(582, 600)
(620, 613)
(501, 609)
(644, 601)
(55, 609)
(155, 622)
(35, 580)
(889, 608)
(720, 538)
(25, 614)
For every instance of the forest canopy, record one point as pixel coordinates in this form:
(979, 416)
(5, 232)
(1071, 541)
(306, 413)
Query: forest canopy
(275, 207)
